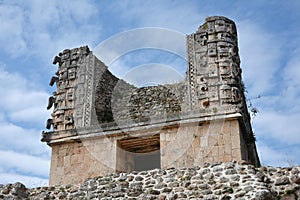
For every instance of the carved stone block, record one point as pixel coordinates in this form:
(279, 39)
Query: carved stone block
(75, 51)
(212, 52)
(212, 49)
(210, 27)
(65, 54)
(59, 118)
(220, 26)
(70, 95)
(56, 59)
(204, 103)
(203, 87)
(69, 119)
(222, 47)
(53, 80)
(63, 75)
(58, 112)
(61, 85)
(213, 93)
(201, 38)
(236, 70)
(201, 60)
(225, 92)
(60, 97)
(51, 101)
(74, 56)
(233, 51)
(236, 95)
(225, 68)
(213, 72)
(223, 56)
(200, 49)
(49, 123)
(226, 37)
(230, 94)
(72, 73)
(211, 45)
(65, 64)
(84, 50)
(73, 64)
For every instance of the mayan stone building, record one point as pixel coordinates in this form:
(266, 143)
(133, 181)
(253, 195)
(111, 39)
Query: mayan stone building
(100, 124)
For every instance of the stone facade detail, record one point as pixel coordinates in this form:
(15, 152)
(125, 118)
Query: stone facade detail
(67, 79)
(101, 124)
(213, 181)
(213, 65)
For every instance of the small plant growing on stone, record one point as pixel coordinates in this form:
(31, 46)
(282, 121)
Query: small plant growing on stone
(289, 192)
(215, 110)
(253, 110)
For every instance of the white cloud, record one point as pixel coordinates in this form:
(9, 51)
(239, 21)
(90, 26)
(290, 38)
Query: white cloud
(282, 127)
(19, 139)
(128, 51)
(41, 28)
(277, 123)
(22, 102)
(130, 66)
(166, 14)
(34, 29)
(260, 56)
(28, 181)
(291, 72)
(30, 114)
(27, 164)
(11, 38)
(272, 157)
(22, 155)
(152, 74)
(138, 39)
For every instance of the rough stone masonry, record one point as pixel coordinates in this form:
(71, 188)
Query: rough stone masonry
(100, 124)
(220, 181)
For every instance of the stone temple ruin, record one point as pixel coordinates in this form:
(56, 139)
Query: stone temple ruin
(101, 124)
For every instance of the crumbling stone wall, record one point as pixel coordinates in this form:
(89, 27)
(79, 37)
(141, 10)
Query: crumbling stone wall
(152, 101)
(104, 92)
(142, 104)
(117, 100)
(214, 181)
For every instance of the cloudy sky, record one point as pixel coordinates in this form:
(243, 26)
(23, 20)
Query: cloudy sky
(32, 32)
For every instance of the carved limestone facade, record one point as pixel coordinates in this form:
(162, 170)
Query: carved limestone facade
(101, 124)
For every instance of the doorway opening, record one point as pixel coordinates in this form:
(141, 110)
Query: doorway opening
(138, 153)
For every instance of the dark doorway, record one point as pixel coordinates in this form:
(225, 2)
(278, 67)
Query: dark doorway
(138, 153)
(146, 161)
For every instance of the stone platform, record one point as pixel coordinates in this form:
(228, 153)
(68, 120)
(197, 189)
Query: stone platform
(229, 180)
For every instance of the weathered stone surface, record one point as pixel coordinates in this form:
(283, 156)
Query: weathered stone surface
(19, 190)
(110, 186)
(282, 181)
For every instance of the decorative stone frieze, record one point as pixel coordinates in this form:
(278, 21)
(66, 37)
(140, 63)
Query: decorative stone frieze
(63, 100)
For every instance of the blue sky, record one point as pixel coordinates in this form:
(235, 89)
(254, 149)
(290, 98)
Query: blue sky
(32, 32)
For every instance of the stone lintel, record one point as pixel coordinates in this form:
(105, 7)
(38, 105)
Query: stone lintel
(58, 137)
